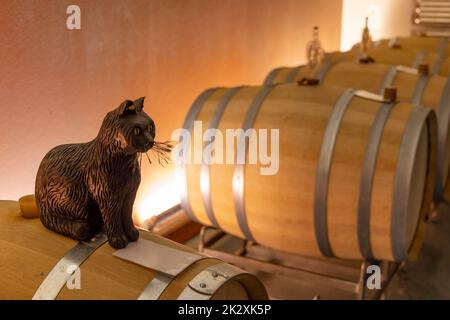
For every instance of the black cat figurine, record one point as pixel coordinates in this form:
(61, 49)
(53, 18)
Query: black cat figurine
(82, 187)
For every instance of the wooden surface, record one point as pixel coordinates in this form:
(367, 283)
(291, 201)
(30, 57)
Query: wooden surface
(280, 207)
(29, 251)
(370, 77)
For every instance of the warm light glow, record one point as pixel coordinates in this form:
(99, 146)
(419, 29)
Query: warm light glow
(384, 19)
(161, 197)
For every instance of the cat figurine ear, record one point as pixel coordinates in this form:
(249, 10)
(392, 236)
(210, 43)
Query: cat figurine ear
(126, 106)
(139, 104)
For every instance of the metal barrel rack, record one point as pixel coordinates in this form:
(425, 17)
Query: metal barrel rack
(289, 276)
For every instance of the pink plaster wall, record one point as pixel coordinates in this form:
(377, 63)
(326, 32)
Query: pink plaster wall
(56, 85)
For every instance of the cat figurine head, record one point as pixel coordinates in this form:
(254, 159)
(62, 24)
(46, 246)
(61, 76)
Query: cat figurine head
(128, 128)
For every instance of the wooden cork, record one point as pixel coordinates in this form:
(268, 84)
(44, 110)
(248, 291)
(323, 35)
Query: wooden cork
(308, 82)
(28, 207)
(390, 94)
(423, 69)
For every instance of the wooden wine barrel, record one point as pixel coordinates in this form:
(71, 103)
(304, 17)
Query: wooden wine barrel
(290, 74)
(35, 264)
(438, 65)
(438, 45)
(355, 176)
(412, 86)
(412, 51)
(387, 56)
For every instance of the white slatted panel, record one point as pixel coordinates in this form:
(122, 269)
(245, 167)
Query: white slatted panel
(432, 17)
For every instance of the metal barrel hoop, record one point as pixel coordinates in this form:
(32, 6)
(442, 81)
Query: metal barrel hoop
(433, 139)
(403, 179)
(158, 285)
(326, 66)
(388, 79)
(367, 177)
(443, 113)
(323, 172)
(238, 179)
(182, 167)
(443, 46)
(205, 173)
(293, 74)
(418, 59)
(419, 90)
(60, 274)
(209, 281)
(437, 65)
(271, 77)
(205, 284)
(441, 55)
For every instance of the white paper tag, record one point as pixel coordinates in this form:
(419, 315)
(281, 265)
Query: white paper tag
(409, 70)
(157, 257)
